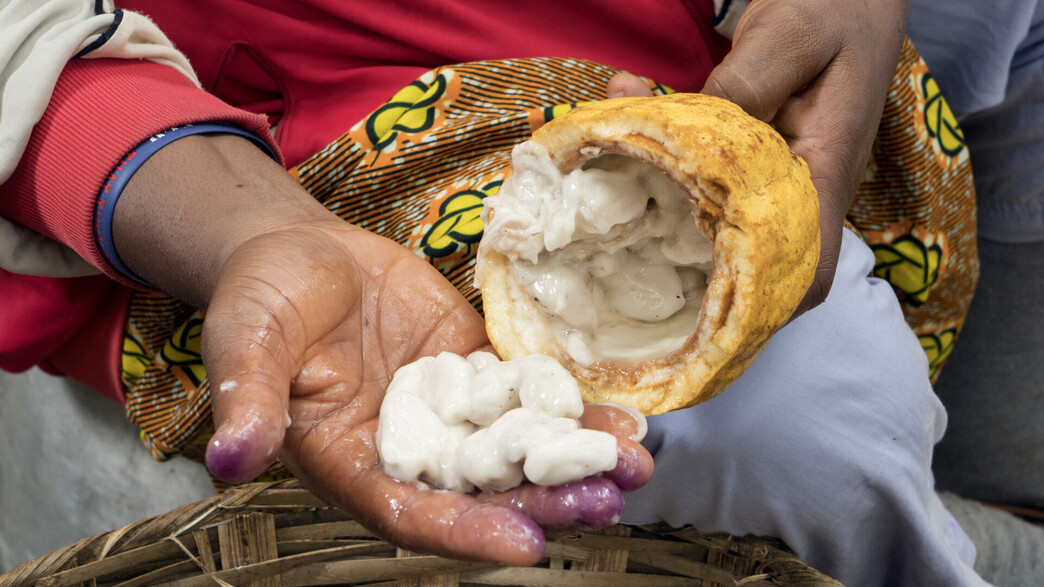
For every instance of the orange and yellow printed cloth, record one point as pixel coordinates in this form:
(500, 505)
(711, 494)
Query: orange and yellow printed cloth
(417, 169)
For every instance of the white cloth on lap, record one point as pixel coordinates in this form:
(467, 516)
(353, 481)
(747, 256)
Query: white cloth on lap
(826, 442)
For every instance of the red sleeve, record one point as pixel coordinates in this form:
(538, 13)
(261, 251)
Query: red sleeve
(100, 110)
(71, 326)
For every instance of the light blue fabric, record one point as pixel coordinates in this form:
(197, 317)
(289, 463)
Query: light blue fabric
(826, 442)
(988, 58)
(971, 46)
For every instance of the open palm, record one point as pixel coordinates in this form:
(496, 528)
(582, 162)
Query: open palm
(304, 331)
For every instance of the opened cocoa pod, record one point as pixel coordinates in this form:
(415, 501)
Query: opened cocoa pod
(651, 245)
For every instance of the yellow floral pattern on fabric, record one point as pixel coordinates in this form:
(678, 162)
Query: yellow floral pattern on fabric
(133, 360)
(411, 109)
(910, 264)
(552, 112)
(184, 350)
(916, 205)
(459, 222)
(941, 122)
(938, 348)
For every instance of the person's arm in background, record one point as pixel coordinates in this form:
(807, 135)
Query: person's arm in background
(819, 72)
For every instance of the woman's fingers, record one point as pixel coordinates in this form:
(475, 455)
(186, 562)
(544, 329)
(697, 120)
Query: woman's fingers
(820, 78)
(634, 465)
(508, 527)
(249, 381)
(594, 502)
(617, 420)
(251, 422)
(626, 84)
(263, 317)
(778, 48)
(344, 469)
(459, 526)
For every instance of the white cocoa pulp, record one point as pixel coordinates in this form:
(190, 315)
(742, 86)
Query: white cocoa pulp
(610, 252)
(458, 423)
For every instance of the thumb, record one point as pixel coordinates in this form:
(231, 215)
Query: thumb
(777, 50)
(250, 371)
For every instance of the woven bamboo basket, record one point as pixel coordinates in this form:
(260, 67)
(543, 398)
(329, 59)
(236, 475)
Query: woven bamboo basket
(278, 534)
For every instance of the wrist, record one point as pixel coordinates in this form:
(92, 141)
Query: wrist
(190, 205)
(114, 185)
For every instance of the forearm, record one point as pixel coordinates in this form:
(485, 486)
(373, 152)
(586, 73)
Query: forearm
(101, 109)
(194, 202)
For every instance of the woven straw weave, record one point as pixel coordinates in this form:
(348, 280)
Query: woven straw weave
(278, 534)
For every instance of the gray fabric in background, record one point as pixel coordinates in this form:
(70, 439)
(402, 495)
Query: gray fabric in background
(993, 384)
(1010, 552)
(71, 466)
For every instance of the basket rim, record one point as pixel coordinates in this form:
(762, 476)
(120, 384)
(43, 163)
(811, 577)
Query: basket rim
(318, 543)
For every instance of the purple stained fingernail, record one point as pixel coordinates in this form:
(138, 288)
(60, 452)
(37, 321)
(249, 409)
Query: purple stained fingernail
(240, 451)
(226, 460)
(627, 475)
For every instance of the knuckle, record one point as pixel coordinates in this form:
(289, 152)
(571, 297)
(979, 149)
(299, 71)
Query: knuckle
(792, 20)
(729, 82)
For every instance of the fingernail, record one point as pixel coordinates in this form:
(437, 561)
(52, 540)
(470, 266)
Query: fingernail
(224, 458)
(610, 503)
(617, 94)
(629, 473)
(639, 418)
(529, 536)
(227, 459)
